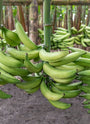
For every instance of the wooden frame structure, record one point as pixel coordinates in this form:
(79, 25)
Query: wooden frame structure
(53, 2)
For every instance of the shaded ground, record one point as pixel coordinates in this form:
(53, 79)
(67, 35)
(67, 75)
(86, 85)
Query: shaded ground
(35, 109)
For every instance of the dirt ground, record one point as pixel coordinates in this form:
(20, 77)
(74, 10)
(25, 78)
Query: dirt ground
(35, 109)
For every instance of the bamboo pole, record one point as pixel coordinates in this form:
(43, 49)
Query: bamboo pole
(1, 1)
(47, 24)
(53, 2)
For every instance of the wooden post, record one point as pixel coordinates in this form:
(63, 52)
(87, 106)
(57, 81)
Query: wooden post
(34, 21)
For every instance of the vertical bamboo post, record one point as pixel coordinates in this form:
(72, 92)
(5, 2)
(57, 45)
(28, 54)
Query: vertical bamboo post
(1, 1)
(46, 23)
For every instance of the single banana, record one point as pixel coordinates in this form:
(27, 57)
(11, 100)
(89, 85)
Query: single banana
(14, 71)
(29, 84)
(86, 96)
(64, 81)
(29, 78)
(10, 61)
(67, 59)
(87, 55)
(68, 67)
(22, 54)
(3, 82)
(72, 86)
(56, 73)
(85, 73)
(83, 62)
(87, 106)
(32, 68)
(47, 93)
(59, 104)
(67, 94)
(33, 90)
(23, 37)
(10, 37)
(86, 101)
(52, 56)
(8, 78)
(4, 95)
(85, 89)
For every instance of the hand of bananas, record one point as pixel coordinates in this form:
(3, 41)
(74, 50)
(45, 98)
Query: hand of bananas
(53, 75)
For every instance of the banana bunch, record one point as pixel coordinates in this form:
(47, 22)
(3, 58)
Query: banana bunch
(84, 75)
(17, 62)
(61, 69)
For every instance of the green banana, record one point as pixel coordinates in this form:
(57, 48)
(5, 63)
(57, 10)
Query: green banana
(72, 86)
(62, 29)
(64, 81)
(87, 55)
(87, 106)
(85, 78)
(33, 68)
(86, 101)
(33, 90)
(4, 95)
(58, 32)
(83, 62)
(85, 73)
(69, 39)
(30, 84)
(22, 54)
(23, 37)
(67, 59)
(10, 37)
(83, 43)
(86, 96)
(85, 89)
(67, 94)
(60, 105)
(56, 73)
(10, 61)
(47, 93)
(29, 78)
(14, 71)
(52, 56)
(68, 67)
(3, 82)
(8, 78)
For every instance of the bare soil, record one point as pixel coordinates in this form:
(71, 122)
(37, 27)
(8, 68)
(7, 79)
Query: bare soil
(35, 109)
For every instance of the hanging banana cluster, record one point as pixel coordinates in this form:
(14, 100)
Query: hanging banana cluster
(54, 72)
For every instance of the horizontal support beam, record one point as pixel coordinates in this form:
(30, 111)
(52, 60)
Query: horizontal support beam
(40, 2)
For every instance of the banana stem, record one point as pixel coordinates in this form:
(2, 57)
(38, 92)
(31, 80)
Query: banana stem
(47, 24)
(1, 1)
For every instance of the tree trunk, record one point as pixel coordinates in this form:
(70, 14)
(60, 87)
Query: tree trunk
(54, 18)
(41, 8)
(83, 14)
(20, 14)
(79, 17)
(10, 18)
(27, 18)
(34, 21)
(65, 18)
